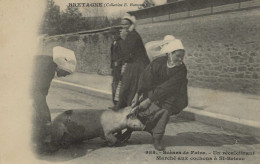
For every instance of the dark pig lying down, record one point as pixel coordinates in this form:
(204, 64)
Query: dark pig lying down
(75, 126)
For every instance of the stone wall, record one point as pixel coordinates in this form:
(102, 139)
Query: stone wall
(92, 50)
(222, 51)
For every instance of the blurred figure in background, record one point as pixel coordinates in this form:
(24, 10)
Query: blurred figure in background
(116, 62)
(63, 63)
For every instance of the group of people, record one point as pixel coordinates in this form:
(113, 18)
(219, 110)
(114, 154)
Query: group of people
(155, 84)
(152, 78)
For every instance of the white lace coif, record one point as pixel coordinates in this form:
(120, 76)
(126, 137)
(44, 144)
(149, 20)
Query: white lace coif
(172, 46)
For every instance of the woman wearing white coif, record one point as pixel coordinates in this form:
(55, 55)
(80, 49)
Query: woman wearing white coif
(163, 88)
(135, 60)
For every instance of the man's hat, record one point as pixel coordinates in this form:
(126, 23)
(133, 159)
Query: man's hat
(153, 48)
(64, 58)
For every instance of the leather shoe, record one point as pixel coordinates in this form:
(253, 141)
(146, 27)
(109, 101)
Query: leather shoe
(158, 145)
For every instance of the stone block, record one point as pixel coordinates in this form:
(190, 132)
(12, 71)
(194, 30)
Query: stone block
(242, 68)
(250, 60)
(200, 12)
(195, 73)
(213, 59)
(144, 21)
(233, 69)
(218, 68)
(228, 7)
(250, 69)
(239, 75)
(206, 73)
(214, 73)
(255, 76)
(201, 60)
(248, 4)
(161, 18)
(73, 38)
(224, 69)
(179, 15)
(235, 59)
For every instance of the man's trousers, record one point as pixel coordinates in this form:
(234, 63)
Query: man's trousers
(41, 117)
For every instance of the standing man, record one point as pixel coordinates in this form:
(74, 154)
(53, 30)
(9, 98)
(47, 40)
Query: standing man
(116, 61)
(62, 62)
(163, 86)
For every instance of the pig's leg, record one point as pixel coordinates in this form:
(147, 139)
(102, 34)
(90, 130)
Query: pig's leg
(111, 139)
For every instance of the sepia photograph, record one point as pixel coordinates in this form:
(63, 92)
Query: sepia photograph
(130, 81)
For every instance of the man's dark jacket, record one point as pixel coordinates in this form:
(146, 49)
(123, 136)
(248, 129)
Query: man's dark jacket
(116, 59)
(44, 71)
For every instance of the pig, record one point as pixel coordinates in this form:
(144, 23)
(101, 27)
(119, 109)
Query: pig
(75, 126)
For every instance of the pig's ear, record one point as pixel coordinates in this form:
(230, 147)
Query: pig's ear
(133, 112)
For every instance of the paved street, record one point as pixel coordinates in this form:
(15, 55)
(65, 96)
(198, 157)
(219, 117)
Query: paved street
(186, 141)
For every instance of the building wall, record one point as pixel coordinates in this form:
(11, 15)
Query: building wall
(190, 8)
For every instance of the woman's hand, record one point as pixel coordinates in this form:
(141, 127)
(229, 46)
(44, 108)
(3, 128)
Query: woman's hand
(145, 104)
(135, 100)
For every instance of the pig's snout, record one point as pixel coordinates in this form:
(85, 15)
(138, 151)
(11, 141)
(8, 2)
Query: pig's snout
(136, 124)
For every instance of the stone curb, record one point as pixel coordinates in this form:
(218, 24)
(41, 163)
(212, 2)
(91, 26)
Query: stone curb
(223, 121)
(215, 119)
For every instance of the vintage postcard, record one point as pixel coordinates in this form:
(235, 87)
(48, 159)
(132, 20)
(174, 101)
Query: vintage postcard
(130, 81)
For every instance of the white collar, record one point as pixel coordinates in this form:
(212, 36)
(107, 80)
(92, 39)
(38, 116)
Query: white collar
(171, 66)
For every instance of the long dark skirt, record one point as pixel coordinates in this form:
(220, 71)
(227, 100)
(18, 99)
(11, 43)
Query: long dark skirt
(129, 83)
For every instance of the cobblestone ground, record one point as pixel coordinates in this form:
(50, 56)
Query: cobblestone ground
(186, 141)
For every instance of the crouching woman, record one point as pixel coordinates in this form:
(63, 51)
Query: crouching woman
(163, 85)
